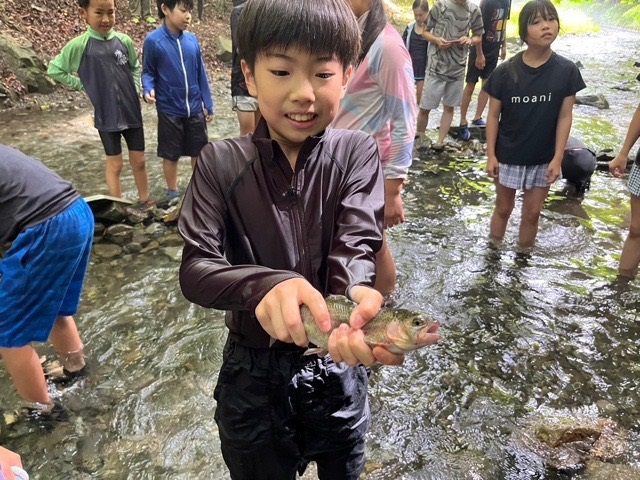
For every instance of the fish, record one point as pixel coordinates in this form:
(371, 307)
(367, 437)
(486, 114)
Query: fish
(398, 330)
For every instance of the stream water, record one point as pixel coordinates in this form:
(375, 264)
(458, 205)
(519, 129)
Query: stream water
(553, 332)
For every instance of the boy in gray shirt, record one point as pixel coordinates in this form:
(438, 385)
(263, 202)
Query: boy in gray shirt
(447, 30)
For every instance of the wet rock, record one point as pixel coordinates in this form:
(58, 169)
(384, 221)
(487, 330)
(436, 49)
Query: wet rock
(155, 229)
(174, 253)
(596, 470)
(119, 233)
(106, 250)
(599, 101)
(566, 441)
(153, 245)
(171, 240)
(132, 247)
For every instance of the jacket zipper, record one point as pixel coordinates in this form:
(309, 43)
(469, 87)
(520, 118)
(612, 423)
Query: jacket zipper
(186, 81)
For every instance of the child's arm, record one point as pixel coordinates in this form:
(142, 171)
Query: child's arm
(618, 165)
(396, 82)
(134, 63)
(563, 128)
(493, 121)
(203, 82)
(149, 71)
(62, 67)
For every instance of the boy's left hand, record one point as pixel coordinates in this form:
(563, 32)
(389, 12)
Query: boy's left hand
(346, 343)
(208, 116)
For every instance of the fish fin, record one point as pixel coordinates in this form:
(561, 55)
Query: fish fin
(321, 352)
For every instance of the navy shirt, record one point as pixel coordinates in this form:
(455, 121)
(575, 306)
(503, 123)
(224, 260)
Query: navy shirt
(30, 193)
(531, 101)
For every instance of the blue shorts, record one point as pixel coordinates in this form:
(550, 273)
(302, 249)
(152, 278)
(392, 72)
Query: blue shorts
(42, 273)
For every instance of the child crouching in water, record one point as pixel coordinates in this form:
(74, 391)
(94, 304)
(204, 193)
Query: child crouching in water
(531, 99)
(282, 218)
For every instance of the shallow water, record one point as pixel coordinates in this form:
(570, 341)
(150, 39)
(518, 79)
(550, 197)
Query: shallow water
(521, 334)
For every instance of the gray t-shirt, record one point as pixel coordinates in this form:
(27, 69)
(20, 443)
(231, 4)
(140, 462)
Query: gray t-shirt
(30, 193)
(451, 20)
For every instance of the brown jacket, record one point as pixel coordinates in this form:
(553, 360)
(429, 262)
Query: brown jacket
(250, 222)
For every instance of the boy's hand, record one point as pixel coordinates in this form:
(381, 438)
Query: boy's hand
(150, 97)
(279, 311)
(346, 343)
(618, 165)
(480, 62)
(208, 116)
(465, 41)
(553, 171)
(492, 167)
(393, 208)
(444, 44)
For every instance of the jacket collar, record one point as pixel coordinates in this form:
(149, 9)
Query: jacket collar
(168, 33)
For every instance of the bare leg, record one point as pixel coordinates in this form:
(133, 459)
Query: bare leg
(505, 201)
(113, 169)
(137, 161)
(467, 93)
(630, 257)
(483, 98)
(419, 85)
(423, 120)
(23, 365)
(531, 208)
(385, 269)
(170, 169)
(65, 339)
(445, 123)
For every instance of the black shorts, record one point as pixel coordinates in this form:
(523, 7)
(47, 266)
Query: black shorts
(181, 136)
(277, 410)
(113, 145)
(491, 62)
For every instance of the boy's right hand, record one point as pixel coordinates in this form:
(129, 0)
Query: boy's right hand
(492, 167)
(618, 165)
(442, 43)
(279, 311)
(150, 97)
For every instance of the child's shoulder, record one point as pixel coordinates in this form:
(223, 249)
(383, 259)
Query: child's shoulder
(343, 142)
(122, 36)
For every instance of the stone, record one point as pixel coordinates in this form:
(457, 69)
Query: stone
(599, 101)
(119, 233)
(19, 56)
(225, 50)
(106, 250)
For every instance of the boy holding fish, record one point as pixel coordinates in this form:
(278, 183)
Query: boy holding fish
(281, 219)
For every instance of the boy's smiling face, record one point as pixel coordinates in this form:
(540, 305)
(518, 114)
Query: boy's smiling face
(100, 15)
(298, 93)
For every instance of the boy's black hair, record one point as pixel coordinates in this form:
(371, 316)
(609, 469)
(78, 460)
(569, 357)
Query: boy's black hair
(171, 4)
(321, 27)
(531, 10)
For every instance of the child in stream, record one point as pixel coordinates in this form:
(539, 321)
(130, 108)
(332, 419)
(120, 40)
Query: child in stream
(531, 99)
(417, 45)
(175, 80)
(50, 228)
(108, 69)
(630, 257)
(268, 224)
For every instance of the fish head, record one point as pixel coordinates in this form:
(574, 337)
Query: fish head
(412, 330)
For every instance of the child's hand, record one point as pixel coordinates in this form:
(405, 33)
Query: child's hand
(150, 97)
(9, 459)
(618, 165)
(208, 116)
(553, 171)
(346, 343)
(279, 311)
(492, 167)
(442, 43)
(465, 41)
